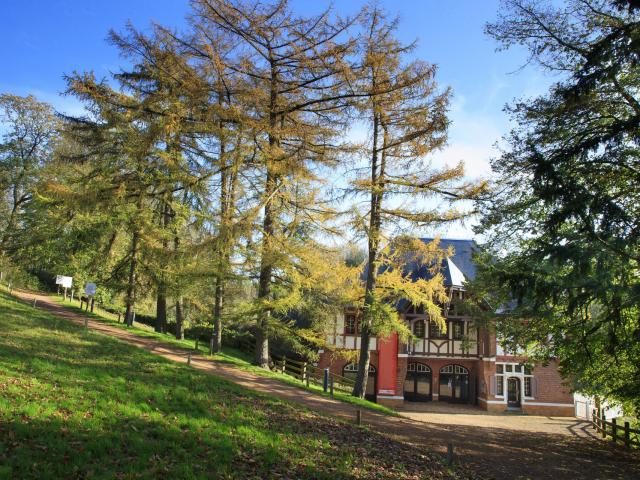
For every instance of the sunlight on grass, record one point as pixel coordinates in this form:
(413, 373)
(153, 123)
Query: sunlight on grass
(229, 355)
(79, 404)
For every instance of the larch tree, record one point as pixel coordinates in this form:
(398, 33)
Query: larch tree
(128, 170)
(212, 50)
(176, 98)
(294, 99)
(406, 116)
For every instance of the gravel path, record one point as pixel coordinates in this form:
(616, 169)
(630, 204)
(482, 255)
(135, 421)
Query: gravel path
(496, 446)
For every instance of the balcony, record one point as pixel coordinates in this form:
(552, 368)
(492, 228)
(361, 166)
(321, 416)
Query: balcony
(440, 348)
(460, 339)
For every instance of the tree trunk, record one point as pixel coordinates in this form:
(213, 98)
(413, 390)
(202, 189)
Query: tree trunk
(268, 228)
(131, 285)
(216, 339)
(360, 387)
(161, 301)
(264, 285)
(161, 308)
(223, 240)
(179, 319)
(10, 224)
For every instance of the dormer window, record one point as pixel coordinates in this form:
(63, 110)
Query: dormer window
(419, 329)
(350, 324)
(436, 332)
(458, 330)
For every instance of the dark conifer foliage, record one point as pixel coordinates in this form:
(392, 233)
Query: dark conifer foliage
(568, 204)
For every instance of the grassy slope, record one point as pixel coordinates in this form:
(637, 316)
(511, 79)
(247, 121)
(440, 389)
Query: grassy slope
(77, 404)
(229, 355)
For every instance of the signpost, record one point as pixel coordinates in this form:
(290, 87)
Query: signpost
(90, 291)
(64, 282)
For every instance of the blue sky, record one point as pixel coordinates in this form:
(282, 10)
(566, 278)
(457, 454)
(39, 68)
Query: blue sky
(42, 40)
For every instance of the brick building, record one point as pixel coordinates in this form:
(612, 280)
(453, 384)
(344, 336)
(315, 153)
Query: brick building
(463, 364)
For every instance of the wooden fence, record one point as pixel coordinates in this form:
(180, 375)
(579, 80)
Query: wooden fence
(618, 432)
(308, 373)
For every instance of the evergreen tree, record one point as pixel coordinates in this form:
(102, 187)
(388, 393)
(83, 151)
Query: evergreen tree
(564, 228)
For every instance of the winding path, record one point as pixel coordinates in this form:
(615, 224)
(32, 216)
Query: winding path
(496, 446)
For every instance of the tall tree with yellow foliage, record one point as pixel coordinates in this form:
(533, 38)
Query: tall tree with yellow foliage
(406, 116)
(294, 98)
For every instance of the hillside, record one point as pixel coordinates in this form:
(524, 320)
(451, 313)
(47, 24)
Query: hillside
(76, 404)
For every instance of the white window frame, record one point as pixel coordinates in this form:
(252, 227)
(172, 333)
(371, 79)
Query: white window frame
(506, 375)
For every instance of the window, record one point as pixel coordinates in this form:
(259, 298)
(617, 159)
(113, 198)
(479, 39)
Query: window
(436, 332)
(353, 368)
(517, 370)
(350, 323)
(458, 330)
(527, 386)
(418, 367)
(350, 371)
(458, 369)
(419, 328)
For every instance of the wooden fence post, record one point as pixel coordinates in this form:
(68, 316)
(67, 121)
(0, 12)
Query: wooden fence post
(359, 417)
(614, 430)
(331, 386)
(304, 373)
(603, 422)
(449, 458)
(284, 364)
(594, 423)
(627, 436)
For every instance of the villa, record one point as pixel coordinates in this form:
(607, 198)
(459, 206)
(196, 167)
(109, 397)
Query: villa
(464, 364)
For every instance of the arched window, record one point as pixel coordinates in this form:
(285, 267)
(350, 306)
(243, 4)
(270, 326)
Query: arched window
(454, 383)
(417, 383)
(418, 367)
(353, 368)
(350, 370)
(419, 328)
(458, 369)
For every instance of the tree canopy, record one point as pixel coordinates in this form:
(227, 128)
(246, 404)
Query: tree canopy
(563, 228)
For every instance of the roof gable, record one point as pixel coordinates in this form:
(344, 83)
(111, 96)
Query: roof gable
(459, 268)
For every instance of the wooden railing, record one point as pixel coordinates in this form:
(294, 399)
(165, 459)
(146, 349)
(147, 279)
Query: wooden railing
(618, 432)
(443, 347)
(308, 373)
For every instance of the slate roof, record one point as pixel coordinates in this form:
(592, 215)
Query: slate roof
(457, 269)
(460, 267)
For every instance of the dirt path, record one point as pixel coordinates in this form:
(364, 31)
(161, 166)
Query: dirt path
(523, 449)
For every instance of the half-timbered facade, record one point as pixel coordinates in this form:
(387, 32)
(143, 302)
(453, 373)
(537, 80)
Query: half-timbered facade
(462, 364)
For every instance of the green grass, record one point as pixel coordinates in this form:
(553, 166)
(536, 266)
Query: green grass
(229, 355)
(79, 404)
